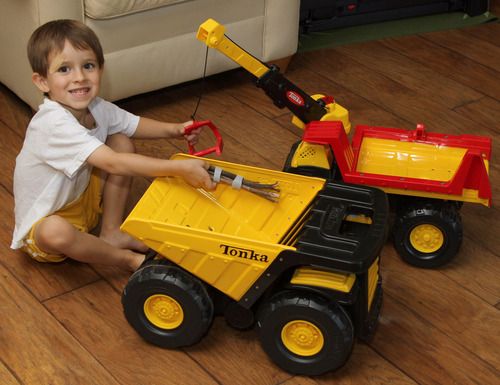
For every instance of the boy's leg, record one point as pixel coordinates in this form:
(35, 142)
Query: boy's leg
(114, 200)
(55, 235)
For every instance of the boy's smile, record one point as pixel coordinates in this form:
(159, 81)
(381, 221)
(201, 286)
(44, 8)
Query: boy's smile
(73, 78)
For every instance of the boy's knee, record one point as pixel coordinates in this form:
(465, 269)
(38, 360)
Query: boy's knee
(54, 234)
(120, 143)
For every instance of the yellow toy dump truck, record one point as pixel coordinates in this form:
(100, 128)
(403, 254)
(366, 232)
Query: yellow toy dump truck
(304, 269)
(427, 175)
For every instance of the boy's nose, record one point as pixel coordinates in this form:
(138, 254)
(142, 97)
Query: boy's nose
(78, 75)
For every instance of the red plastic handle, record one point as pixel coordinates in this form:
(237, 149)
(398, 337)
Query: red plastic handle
(218, 138)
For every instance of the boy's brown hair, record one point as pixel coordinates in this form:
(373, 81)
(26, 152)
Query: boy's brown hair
(50, 37)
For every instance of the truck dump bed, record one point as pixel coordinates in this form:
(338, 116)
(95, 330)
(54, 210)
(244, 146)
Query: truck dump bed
(225, 236)
(413, 162)
(428, 162)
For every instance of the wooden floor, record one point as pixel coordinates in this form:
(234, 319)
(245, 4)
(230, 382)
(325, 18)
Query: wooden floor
(63, 324)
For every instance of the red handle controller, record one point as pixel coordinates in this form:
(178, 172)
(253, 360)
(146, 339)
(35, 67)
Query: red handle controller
(218, 138)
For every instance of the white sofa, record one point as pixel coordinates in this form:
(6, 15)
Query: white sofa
(148, 44)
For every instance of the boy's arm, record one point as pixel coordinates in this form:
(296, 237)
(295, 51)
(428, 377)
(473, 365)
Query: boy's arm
(155, 129)
(194, 171)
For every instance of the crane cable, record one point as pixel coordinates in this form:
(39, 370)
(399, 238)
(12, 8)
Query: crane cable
(203, 79)
(200, 95)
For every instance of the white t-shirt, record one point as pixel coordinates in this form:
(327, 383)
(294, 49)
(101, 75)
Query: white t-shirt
(51, 169)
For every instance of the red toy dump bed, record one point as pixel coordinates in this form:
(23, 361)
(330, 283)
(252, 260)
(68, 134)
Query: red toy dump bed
(410, 162)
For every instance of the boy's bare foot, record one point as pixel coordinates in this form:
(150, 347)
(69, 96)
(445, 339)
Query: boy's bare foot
(123, 241)
(133, 260)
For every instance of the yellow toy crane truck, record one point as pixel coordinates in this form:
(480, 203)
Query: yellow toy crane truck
(427, 175)
(303, 267)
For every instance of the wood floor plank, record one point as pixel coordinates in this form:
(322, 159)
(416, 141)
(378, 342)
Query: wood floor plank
(116, 346)
(36, 347)
(361, 109)
(10, 145)
(485, 111)
(488, 32)
(232, 357)
(364, 367)
(446, 304)
(6, 377)
(420, 79)
(300, 381)
(239, 126)
(15, 113)
(172, 105)
(42, 280)
(240, 85)
(448, 63)
(410, 342)
(478, 50)
(482, 267)
(478, 221)
(494, 7)
(247, 126)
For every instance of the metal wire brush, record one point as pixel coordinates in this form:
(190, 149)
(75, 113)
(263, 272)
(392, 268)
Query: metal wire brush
(269, 191)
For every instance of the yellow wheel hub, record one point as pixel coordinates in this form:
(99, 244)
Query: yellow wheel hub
(426, 238)
(302, 338)
(163, 311)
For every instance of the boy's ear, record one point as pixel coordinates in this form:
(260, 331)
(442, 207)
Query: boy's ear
(40, 81)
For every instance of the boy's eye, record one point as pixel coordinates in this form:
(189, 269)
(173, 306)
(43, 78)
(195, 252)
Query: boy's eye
(89, 66)
(63, 69)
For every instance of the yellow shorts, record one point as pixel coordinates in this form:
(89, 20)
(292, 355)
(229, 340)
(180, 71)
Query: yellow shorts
(83, 213)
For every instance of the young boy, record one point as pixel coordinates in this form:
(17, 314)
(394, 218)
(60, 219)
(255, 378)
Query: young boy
(77, 158)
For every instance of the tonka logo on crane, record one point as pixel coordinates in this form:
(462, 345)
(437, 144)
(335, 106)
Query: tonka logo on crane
(295, 98)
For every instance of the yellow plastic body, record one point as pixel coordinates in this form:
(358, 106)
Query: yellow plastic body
(163, 311)
(426, 238)
(409, 159)
(302, 337)
(310, 154)
(343, 282)
(414, 160)
(212, 34)
(311, 276)
(227, 237)
(335, 112)
(317, 155)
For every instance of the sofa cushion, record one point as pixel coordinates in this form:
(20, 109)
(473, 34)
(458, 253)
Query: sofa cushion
(170, 22)
(98, 9)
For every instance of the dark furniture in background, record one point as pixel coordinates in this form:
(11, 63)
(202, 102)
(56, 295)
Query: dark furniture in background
(319, 15)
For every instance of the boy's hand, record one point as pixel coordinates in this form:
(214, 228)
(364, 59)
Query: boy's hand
(192, 137)
(194, 172)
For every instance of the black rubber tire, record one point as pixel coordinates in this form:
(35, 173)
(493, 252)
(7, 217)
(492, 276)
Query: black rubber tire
(152, 258)
(189, 292)
(442, 215)
(331, 320)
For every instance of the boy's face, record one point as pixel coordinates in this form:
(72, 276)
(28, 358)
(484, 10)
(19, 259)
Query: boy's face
(73, 78)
